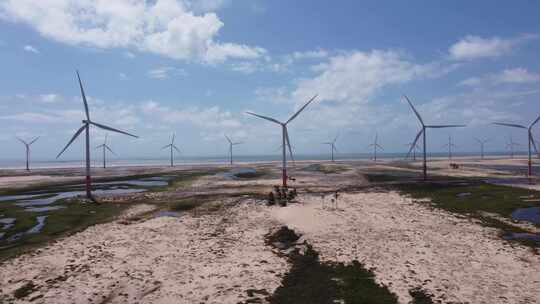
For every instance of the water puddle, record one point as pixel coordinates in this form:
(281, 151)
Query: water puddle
(239, 173)
(40, 224)
(523, 236)
(7, 222)
(168, 214)
(44, 209)
(531, 214)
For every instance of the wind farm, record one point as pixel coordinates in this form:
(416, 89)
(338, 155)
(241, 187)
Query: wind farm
(229, 152)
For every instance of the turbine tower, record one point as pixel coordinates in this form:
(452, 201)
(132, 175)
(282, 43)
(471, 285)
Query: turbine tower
(375, 146)
(105, 147)
(27, 146)
(482, 142)
(511, 144)
(231, 144)
(284, 136)
(413, 149)
(450, 145)
(332, 145)
(530, 138)
(172, 146)
(86, 127)
(423, 133)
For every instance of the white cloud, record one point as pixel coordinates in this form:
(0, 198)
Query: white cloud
(508, 76)
(123, 76)
(164, 27)
(129, 55)
(207, 5)
(317, 54)
(50, 98)
(165, 72)
(30, 117)
(31, 49)
(357, 76)
(474, 47)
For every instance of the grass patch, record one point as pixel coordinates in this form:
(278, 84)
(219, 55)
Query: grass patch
(420, 296)
(326, 168)
(183, 205)
(76, 216)
(311, 281)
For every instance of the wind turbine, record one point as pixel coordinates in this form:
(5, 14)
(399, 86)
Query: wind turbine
(511, 144)
(86, 127)
(27, 146)
(423, 132)
(285, 136)
(172, 146)
(482, 142)
(231, 144)
(529, 135)
(416, 148)
(450, 145)
(332, 145)
(375, 146)
(105, 147)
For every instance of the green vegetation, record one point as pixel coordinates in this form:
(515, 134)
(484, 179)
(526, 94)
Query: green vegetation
(311, 281)
(420, 296)
(471, 197)
(326, 168)
(77, 214)
(183, 204)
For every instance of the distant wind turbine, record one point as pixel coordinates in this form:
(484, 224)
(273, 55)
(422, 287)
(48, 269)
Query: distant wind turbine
(423, 132)
(414, 149)
(172, 146)
(450, 145)
(105, 147)
(285, 136)
(482, 142)
(332, 145)
(511, 144)
(375, 146)
(27, 146)
(231, 144)
(86, 127)
(530, 137)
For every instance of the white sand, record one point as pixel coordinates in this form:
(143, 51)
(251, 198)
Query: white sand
(411, 245)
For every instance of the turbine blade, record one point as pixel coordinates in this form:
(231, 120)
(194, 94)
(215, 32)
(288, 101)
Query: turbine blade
(83, 97)
(264, 117)
(111, 129)
(414, 142)
(237, 143)
(177, 150)
(414, 110)
(534, 122)
(509, 125)
(335, 138)
(72, 139)
(33, 141)
(335, 149)
(445, 126)
(26, 144)
(301, 109)
(166, 146)
(380, 147)
(228, 139)
(288, 143)
(173, 137)
(110, 150)
(326, 143)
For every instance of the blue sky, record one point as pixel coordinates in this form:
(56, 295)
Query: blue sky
(194, 68)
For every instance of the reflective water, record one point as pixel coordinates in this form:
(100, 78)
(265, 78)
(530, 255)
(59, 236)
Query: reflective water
(237, 172)
(524, 236)
(531, 214)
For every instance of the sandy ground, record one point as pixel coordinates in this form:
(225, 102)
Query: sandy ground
(217, 257)
(412, 245)
(220, 256)
(214, 258)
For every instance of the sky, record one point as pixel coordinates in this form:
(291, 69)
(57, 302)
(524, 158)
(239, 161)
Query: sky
(195, 67)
